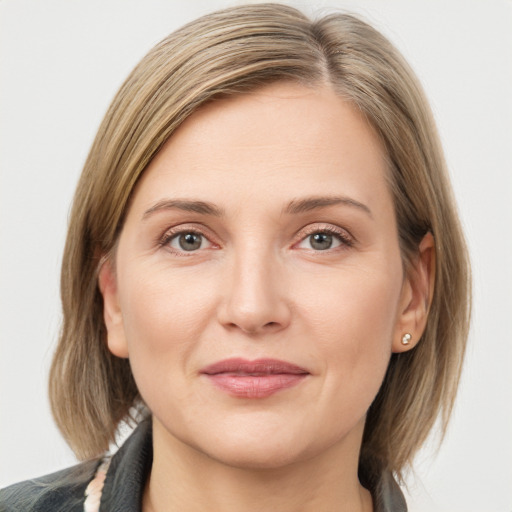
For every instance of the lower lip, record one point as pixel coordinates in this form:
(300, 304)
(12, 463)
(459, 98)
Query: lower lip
(255, 386)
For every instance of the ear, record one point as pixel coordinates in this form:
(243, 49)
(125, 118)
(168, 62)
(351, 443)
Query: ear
(416, 296)
(112, 315)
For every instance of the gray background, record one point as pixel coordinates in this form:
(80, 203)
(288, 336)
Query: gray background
(62, 61)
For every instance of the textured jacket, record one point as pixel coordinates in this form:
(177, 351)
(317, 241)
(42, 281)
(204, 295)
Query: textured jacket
(129, 468)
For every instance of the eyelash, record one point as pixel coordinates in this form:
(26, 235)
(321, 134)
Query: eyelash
(173, 233)
(346, 241)
(343, 237)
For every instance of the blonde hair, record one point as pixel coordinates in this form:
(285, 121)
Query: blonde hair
(232, 52)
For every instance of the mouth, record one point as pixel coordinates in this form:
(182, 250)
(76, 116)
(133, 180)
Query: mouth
(254, 379)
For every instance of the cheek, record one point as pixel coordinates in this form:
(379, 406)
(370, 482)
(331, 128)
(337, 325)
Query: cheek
(353, 324)
(164, 317)
(359, 301)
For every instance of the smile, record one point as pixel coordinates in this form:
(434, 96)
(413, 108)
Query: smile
(254, 379)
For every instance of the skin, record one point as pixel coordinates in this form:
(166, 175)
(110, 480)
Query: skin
(257, 288)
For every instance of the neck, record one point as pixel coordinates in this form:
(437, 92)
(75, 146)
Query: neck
(183, 478)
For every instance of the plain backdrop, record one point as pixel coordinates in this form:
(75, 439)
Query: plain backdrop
(61, 62)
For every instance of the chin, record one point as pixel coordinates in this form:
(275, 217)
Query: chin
(263, 448)
(249, 456)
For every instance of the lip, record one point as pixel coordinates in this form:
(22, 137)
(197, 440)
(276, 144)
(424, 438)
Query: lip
(254, 379)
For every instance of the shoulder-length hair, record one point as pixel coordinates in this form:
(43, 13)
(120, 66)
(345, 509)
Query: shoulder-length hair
(232, 52)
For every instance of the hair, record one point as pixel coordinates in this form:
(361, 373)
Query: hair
(232, 52)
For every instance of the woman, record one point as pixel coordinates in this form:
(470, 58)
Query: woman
(265, 263)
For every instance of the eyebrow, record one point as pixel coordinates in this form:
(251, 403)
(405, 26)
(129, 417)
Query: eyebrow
(295, 206)
(187, 205)
(316, 202)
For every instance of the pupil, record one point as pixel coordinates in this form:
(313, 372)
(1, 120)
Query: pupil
(190, 241)
(321, 241)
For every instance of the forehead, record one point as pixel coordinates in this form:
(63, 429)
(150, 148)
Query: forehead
(280, 141)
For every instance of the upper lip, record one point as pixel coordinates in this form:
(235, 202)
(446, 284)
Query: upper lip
(241, 366)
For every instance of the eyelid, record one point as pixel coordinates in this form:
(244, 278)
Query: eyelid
(343, 235)
(346, 239)
(172, 232)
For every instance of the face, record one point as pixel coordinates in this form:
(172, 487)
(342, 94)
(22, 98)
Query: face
(258, 287)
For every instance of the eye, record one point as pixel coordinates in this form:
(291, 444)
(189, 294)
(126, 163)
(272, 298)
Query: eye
(324, 239)
(320, 241)
(187, 241)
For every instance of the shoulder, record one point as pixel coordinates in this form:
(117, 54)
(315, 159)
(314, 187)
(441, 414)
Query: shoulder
(118, 484)
(386, 493)
(60, 491)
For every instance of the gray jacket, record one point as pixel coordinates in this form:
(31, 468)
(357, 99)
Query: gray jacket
(124, 484)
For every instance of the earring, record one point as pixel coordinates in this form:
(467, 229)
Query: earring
(406, 339)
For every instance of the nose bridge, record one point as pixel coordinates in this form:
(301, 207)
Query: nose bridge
(255, 296)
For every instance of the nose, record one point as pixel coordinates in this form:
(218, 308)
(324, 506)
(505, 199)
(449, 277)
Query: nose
(255, 299)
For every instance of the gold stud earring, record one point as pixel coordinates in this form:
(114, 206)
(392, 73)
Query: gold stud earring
(406, 339)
